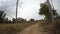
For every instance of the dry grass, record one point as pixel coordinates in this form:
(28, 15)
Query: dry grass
(49, 27)
(18, 27)
(13, 28)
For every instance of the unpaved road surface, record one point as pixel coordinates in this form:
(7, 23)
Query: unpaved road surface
(33, 29)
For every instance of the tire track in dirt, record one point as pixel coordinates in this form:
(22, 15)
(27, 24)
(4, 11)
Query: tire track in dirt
(30, 30)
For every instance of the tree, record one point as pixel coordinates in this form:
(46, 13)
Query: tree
(32, 20)
(2, 16)
(45, 10)
(13, 20)
(21, 20)
(7, 21)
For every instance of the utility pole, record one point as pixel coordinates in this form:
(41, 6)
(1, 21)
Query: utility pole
(57, 32)
(50, 8)
(52, 4)
(52, 11)
(17, 9)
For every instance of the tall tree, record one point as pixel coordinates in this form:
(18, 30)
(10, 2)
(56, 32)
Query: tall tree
(45, 10)
(2, 16)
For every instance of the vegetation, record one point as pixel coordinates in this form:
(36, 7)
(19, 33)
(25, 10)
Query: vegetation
(4, 20)
(14, 28)
(32, 20)
(11, 27)
(45, 10)
(2, 16)
(48, 26)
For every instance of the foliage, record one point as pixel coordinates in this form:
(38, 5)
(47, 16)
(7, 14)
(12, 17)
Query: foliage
(19, 20)
(13, 20)
(2, 16)
(44, 10)
(3, 19)
(32, 20)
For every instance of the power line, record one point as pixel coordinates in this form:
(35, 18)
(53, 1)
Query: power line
(52, 4)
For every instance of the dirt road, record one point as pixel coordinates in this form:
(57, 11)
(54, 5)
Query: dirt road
(34, 29)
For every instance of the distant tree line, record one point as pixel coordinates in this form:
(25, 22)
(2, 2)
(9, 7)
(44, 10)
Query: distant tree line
(5, 20)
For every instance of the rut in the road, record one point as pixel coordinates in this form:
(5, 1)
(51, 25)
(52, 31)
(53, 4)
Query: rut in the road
(34, 29)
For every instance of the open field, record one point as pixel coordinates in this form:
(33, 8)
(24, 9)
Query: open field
(29, 27)
(13, 28)
(41, 28)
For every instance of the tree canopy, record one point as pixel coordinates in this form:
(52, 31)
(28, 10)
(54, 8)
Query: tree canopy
(44, 10)
(2, 16)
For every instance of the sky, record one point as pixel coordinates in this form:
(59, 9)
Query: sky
(27, 8)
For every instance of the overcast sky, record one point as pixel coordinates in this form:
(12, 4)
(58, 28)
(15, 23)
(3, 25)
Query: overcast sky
(27, 8)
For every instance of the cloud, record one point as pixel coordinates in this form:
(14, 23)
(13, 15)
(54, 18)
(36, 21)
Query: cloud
(56, 4)
(27, 8)
(30, 9)
(8, 6)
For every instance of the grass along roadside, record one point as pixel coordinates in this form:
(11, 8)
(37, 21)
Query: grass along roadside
(13, 28)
